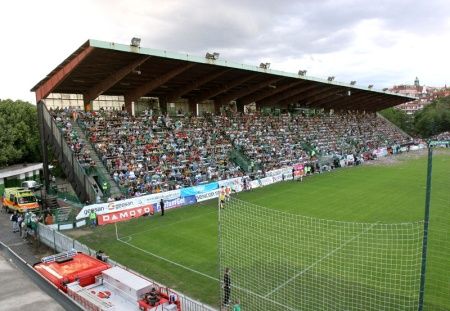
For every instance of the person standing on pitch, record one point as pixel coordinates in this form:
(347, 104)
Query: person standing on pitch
(222, 197)
(227, 193)
(161, 205)
(226, 287)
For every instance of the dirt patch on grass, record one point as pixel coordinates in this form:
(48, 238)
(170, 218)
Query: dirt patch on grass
(412, 155)
(398, 158)
(79, 233)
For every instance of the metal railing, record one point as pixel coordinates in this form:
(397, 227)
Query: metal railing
(68, 158)
(102, 177)
(61, 243)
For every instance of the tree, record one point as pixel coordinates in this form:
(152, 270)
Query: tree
(19, 138)
(434, 118)
(400, 119)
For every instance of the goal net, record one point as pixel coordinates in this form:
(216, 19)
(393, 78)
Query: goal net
(281, 261)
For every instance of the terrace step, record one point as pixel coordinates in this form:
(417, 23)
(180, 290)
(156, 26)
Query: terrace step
(101, 170)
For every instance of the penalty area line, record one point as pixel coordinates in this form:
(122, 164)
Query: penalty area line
(169, 261)
(206, 275)
(318, 261)
(167, 224)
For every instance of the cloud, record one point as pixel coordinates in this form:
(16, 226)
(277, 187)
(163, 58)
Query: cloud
(380, 42)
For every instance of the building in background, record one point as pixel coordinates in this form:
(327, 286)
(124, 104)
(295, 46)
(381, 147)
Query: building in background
(425, 95)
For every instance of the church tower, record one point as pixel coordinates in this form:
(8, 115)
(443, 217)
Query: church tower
(416, 82)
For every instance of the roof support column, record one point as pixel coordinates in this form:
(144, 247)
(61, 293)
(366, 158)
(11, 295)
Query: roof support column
(88, 105)
(240, 107)
(162, 106)
(193, 108)
(217, 106)
(129, 105)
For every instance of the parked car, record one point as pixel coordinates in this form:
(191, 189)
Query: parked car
(31, 185)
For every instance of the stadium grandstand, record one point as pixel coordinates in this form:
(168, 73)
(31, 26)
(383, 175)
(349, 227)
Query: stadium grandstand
(176, 120)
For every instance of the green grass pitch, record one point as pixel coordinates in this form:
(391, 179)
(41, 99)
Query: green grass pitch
(180, 249)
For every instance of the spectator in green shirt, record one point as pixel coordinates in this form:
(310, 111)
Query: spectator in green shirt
(237, 305)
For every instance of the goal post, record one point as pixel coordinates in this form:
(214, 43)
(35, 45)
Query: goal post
(283, 261)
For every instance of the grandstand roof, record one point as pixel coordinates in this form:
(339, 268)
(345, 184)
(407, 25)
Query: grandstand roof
(108, 68)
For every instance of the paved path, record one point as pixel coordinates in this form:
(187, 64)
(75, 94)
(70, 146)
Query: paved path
(18, 292)
(17, 289)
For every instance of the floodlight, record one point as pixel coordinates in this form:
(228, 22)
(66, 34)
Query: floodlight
(136, 42)
(302, 72)
(264, 65)
(136, 71)
(330, 78)
(352, 82)
(370, 86)
(212, 56)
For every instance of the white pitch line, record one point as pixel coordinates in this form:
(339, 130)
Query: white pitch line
(318, 261)
(170, 261)
(126, 239)
(207, 276)
(168, 224)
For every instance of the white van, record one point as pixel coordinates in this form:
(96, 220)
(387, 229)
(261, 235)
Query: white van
(31, 185)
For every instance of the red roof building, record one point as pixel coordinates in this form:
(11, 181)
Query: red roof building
(424, 94)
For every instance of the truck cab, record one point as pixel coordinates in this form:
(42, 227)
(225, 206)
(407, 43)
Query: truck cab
(20, 200)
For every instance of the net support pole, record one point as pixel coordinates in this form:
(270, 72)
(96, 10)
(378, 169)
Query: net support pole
(425, 227)
(219, 251)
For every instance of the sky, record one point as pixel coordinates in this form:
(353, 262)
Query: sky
(379, 42)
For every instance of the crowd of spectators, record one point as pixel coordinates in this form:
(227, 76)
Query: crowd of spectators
(276, 141)
(64, 119)
(155, 153)
(445, 136)
(149, 154)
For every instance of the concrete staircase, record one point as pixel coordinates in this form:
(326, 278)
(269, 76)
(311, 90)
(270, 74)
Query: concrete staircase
(101, 171)
(51, 202)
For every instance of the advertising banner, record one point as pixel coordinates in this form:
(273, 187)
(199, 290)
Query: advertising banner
(185, 192)
(207, 195)
(178, 202)
(105, 208)
(142, 201)
(287, 171)
(235, 184)
(128, 214)
(299, 170)
(255, 184)
(381, 152)
(279, 178)
(266, 181)
(168, 195)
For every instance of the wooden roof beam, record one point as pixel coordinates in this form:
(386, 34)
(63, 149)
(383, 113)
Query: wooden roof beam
(339, 103)
(57, 78)
(290, 97)
(112, 79)
(149, 86)
(194, 84)
(260, 95)
(207, 94)
(246, 90)
(360, 103)
(270, 101)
